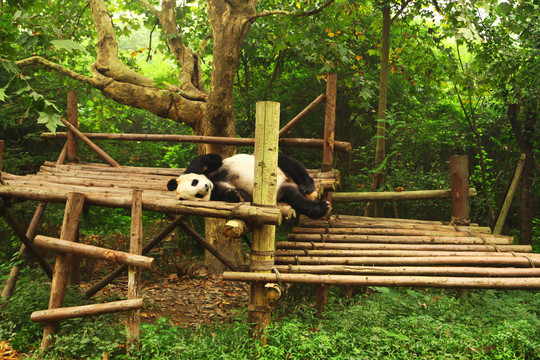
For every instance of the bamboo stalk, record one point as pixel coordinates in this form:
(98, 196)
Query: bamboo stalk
(285, 129)
(529, 260)
(284, 142)
(55, 315)
(347, 197)
(415, 247)
(401, 239)
(407, 281)
(410, 270)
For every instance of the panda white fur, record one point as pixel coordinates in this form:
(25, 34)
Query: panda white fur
(209, 177)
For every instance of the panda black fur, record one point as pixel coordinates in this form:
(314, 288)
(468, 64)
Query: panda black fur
(209, 177)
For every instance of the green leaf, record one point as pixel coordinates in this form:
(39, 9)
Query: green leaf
(51, 121)
(68, 45)
(3, 94)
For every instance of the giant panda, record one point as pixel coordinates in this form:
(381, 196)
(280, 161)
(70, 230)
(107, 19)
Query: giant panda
(210, 177)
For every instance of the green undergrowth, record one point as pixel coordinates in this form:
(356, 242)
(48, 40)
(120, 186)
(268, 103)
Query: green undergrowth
(380, 323)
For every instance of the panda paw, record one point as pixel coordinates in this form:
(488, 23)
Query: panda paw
(236, 195)
(320, 210)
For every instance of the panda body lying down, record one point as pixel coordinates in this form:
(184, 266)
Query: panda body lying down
(210, 177)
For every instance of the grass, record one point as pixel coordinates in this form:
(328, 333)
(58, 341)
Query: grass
(380, 323)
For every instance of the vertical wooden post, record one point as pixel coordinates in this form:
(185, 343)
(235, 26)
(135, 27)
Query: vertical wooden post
(329, 122)
(459, 174)
(134, 273)
(30, 234)
(73, 119)
(264, 193)
(1, 156)
(72, 214)
(509, 196)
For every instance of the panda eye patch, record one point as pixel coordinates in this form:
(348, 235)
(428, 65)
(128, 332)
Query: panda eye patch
(194, 182)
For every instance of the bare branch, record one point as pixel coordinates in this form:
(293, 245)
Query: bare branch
(403, 6)
(38, 60)
(291, 13)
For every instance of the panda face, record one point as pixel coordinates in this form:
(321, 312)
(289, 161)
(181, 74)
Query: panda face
(193, 187)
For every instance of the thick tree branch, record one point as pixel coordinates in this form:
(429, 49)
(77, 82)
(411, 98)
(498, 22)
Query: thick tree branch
(38, 60)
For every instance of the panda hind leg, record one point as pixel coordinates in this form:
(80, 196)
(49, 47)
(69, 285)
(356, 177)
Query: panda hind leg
(303, 205)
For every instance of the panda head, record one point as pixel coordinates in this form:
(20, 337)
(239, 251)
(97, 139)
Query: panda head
(191, 187)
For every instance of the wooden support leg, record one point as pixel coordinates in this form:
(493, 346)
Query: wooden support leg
(30, 234)
(72, 214)
(322, 298)
(134, 273)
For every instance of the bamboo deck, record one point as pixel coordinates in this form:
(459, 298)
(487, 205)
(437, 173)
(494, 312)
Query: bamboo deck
(354, 250)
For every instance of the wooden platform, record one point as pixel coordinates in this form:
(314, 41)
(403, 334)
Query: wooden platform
(353, 250)
(108, 186)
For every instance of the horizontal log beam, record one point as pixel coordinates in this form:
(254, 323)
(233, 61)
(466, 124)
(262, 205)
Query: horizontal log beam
(94, 252)
(284, 142)
(384, 253)
(380, 231)
(55, 315)
(218, 209)
(346, 197)
(402, 239)
(527, 260)
(410, 270)
(415, 247)
(391, 281)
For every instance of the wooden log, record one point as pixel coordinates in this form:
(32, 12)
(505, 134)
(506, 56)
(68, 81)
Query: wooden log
(509, 196)
(134, 274)
(90, 144)
(391, 281)
(341, 146)
(401, 239)
(91, 291)
(74, 205)
(235, 228)
(56, 315)
(378, 231)
(329, 122)
(415, 247)
(285, 129)
(208, 246)
(95, 252)
(411, 270)
(72, 145)
(527, 260)
(29, 244)
(384, 253)
(459, 174)
(245, 212)
(62, 156)
(264, 193)
(348, 197)
(30, 234)
(104, 168)
(1, 157)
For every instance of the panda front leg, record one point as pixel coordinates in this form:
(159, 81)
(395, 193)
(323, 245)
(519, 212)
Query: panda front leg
(313, 209)
(233, 195)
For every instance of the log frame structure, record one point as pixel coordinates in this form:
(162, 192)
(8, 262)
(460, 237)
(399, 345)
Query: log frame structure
(342, 250)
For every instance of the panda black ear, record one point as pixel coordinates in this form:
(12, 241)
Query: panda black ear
(172, 185)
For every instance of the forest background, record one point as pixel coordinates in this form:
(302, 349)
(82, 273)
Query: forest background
(463, 79)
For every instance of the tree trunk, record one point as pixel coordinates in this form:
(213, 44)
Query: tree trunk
(380, 152)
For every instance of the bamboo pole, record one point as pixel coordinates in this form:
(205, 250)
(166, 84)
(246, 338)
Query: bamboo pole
(411, 270)
(134, 273)
(246, 212)
(508, 200)
(95, 252)
(74, 205)
(90, 144)
(285, 129)
(407, 281)
(390, 246)
(459, 174)
(479, 240)
(16, 269)
(347, 197)
(56, 315)
(91, 291)
(264, 193)
(525, 260)
(341, 146)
